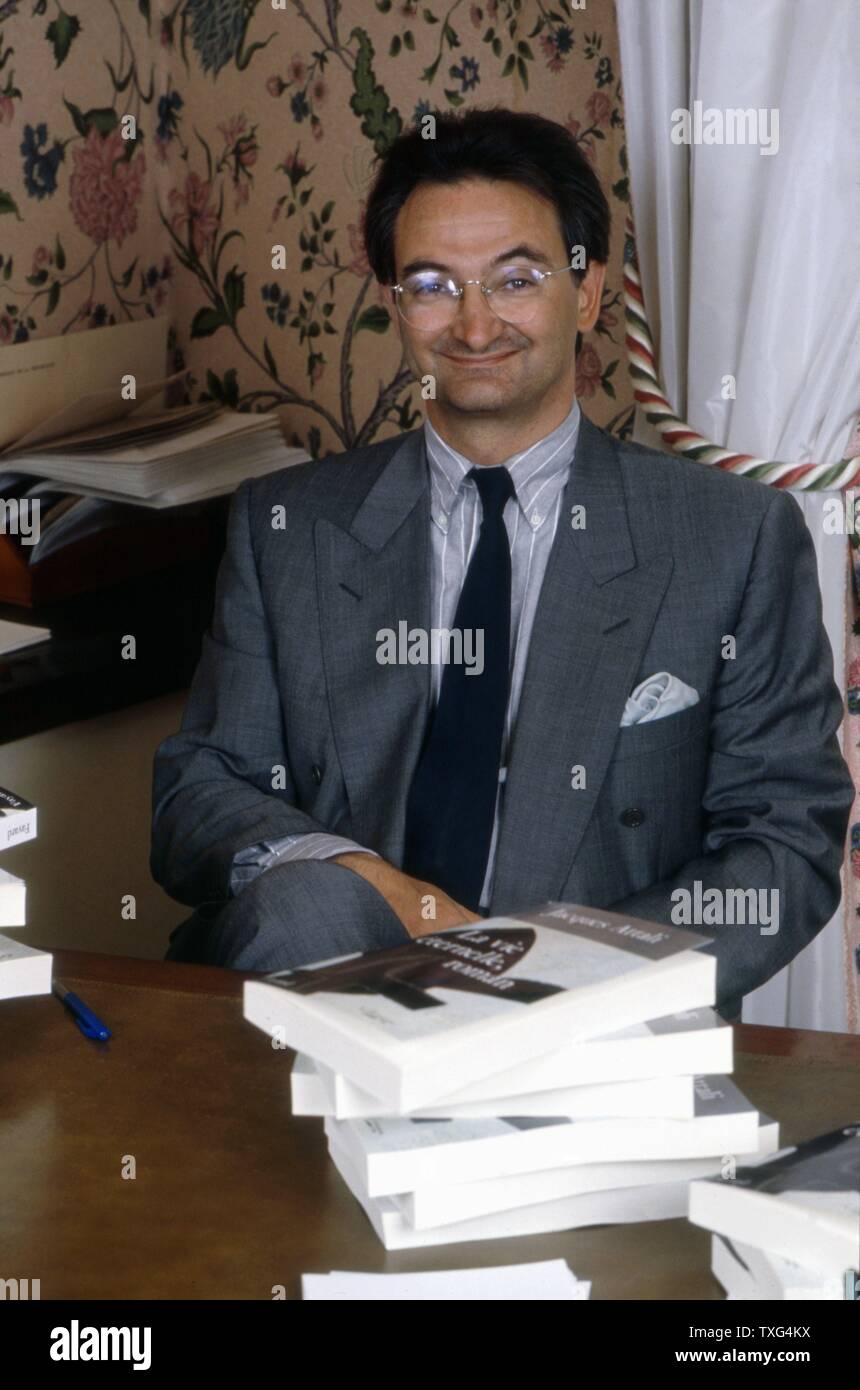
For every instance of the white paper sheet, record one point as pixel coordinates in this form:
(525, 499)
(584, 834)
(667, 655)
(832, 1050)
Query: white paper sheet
(542, 1281)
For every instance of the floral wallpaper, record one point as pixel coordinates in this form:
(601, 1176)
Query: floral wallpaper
(154, 156)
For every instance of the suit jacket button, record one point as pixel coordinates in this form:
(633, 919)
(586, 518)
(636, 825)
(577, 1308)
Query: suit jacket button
(316, 773)
(632, 816)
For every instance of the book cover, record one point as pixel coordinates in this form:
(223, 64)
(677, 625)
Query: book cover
(17, 819)
(426, 1018)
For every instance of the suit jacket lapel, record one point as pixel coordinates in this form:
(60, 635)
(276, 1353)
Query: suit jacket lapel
(596, 611)
(376, 575)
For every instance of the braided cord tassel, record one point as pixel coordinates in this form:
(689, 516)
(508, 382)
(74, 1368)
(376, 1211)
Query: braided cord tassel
(681, 437)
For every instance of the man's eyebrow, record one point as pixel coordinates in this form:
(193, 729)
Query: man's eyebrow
(521, 252)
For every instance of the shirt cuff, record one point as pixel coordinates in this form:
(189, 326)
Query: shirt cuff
(255, 859)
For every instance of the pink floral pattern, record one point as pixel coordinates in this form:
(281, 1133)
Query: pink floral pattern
(105, 186)
(192, 216)
(588, 372)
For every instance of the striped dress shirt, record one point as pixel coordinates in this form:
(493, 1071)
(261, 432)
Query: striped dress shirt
(539, 475)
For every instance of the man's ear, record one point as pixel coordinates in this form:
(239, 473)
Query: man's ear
(590, 296)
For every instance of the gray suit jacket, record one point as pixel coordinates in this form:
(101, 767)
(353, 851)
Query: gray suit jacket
(746, 789)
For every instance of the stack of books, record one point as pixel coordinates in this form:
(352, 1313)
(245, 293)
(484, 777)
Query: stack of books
(470, 1089)
(787, 1227)
(151, 459)
(23, 969)
(103, 476)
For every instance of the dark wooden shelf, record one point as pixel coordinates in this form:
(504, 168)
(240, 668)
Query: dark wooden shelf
(80, 672)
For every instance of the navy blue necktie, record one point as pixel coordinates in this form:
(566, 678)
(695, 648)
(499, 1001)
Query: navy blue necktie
(452, 800)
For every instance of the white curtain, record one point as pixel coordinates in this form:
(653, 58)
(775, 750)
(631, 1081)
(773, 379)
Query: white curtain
(750, 266)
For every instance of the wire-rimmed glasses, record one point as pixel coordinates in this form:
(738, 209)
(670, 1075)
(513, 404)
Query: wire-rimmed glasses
(429, 300)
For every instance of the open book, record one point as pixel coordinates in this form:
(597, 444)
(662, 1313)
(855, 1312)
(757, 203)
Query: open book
(97, 442)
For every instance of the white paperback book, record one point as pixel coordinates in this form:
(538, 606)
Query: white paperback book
(313, 1092)
(440, 1204)
(402, 1154)
(694, 1042)
(23, 969)
(419, 1021)
(747, 1272)
(13, 900)
(802, 1204)
(621, 1205)
(17, 819)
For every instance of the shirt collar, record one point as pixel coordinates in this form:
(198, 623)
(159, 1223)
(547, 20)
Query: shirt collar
(538, 473)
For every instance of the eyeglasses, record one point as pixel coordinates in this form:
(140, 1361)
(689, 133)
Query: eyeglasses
(429, 300)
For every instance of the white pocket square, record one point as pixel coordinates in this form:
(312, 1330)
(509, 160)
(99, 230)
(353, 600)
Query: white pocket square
(657, 696)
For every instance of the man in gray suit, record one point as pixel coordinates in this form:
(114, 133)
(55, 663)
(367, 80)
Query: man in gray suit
(417, 701)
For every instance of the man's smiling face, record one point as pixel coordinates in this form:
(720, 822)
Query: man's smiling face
(481, 364)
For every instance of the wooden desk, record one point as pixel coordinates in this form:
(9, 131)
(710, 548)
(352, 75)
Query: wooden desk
(234, 1196)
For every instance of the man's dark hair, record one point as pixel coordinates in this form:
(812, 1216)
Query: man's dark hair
(489, 143)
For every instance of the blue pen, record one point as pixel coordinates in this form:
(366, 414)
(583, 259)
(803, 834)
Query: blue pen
(90, 1026)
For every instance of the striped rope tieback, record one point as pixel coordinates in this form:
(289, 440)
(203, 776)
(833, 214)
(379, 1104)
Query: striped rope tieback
(647, 388)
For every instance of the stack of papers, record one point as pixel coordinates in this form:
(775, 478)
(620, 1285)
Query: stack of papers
(469, 1088)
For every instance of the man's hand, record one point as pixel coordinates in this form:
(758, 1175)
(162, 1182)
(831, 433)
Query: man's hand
(407, 896)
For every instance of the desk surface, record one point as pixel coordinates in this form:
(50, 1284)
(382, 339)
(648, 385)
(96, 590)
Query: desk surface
(233, 1195)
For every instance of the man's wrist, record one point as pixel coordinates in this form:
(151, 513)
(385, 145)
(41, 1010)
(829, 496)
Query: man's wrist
(364, 864)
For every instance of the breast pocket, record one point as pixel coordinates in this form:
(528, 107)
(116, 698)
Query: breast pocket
(650, 804)
(659, 735)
